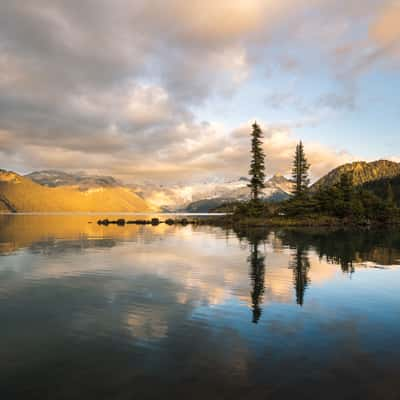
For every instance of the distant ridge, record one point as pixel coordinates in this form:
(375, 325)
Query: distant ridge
(53, 190)
(55, 178)
(190, 197)
(277, 188)
(361, 171)
(21, 194)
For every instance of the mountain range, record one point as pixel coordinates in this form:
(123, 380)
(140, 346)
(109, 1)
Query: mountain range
(53, 178)
(193, 197)
(200, 197)
(52, 190)
(22, 194)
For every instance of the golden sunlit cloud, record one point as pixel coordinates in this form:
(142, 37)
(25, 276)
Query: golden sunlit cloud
(163, 97)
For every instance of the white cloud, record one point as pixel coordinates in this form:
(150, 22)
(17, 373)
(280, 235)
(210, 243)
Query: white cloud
(113, 86)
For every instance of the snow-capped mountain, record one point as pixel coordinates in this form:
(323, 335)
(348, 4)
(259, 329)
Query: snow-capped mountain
(54, 178)
(204, 195)
(199, 196)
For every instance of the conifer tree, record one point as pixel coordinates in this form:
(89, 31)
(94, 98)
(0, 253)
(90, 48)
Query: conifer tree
(257, 165)
(390, 194)
(300, 172)
(346, 186)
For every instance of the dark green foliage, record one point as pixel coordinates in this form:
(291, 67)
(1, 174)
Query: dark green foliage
(344, 201)
(390, 195)
(346, 187)
(300, 169)
(257, 165)
(251, 209)
(387, 189)
(299, 206)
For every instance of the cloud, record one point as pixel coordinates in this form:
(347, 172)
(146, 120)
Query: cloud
(279, 145)
(119, 87)
(379, 46)
(386, 30)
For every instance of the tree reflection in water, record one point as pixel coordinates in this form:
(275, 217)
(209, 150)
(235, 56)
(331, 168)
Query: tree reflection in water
(255, 238)
(300, 266)
(257, 278)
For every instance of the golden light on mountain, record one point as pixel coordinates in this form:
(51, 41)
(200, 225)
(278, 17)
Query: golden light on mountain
(18, 193)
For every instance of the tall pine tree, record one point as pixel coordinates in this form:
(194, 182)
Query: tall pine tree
(300, 172)
(257, 165)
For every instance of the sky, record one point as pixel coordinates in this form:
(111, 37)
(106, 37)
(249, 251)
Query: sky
(166, 90)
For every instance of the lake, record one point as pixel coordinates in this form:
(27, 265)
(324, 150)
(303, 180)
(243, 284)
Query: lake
(196, 312)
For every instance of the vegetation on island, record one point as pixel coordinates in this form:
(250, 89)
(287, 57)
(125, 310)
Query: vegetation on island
(355, 193)
(345, 196)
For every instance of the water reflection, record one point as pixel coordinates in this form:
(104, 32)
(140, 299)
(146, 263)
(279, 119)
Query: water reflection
(200, 312)
(257, 276)
(256, 239)
(347, 247)
(300, 265)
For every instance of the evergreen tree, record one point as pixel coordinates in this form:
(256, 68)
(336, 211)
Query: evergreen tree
(390, 195)
(346, 186)
(257, 165)
(300, 172)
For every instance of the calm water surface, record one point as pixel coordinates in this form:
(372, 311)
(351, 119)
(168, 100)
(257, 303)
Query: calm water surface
(142, 312)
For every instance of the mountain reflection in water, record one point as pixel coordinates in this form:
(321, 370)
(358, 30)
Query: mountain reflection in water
(99, 312)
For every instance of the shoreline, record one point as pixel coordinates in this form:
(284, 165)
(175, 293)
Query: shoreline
(113, 213)
(216, 219)
(304, 222)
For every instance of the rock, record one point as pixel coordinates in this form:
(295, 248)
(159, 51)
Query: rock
(155, 221)
(141, 222)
